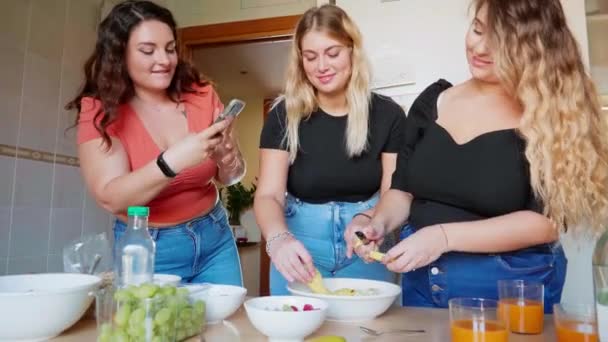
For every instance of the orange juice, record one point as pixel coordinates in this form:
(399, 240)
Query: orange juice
(479, 331)
(522, 316)
(573, 331)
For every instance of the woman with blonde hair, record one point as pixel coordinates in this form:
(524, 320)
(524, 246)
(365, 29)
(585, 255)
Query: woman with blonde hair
(327, 150)
(494, 168)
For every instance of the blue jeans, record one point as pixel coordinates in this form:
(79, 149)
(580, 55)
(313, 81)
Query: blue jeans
(320, 227)
(201, 250)
(458, 274)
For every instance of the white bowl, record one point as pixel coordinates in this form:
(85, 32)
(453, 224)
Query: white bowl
(353, 308)
(285, 326)
(221, 301)
(166, 279)
(37, 307)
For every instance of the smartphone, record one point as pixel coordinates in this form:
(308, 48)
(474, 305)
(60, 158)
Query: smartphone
(233, 109)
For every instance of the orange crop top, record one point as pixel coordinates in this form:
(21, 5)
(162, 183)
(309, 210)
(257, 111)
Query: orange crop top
(192, 192)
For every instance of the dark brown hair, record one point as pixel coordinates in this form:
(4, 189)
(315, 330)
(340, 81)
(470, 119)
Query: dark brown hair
(106, 75)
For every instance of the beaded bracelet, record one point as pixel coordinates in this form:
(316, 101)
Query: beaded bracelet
(279, 236)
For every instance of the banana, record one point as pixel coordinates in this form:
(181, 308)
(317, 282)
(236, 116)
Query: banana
(316, 284)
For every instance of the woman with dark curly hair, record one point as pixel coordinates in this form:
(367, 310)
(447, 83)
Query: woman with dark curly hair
(146, 137)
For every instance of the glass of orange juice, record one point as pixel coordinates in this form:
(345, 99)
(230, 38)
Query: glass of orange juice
(520, 305)
(476, 320)
(575, 323)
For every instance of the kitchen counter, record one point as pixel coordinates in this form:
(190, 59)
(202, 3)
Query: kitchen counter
(238, 328)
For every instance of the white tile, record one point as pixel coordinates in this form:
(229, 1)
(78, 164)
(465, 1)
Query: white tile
(13, 23)
(46, 28)
(5, 213)
(33, 184)
(96, 220)
(12, 62)
(68, 187)
(66, 134)
(7, 170)
(3, 266)
(40, 103)
(29, 264)
(29, 232)
(66, 226)
(55, 263)
(71, 81)
(80, 31)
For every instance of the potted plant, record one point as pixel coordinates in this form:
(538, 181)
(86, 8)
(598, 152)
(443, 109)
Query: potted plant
(238, 198)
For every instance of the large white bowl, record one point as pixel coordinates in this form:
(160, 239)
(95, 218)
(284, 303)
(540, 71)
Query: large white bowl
(37, 307)
(221, 301)
(353, 308)
(285, 326)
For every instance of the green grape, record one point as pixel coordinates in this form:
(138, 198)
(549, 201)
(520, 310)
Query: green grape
(122, 315)
(199, 306)
(120, 336)
(146, 291)
(122, 295)
(137, 316)
(168, 290)
(162, 316)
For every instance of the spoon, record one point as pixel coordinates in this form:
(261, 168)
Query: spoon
(373, 332)
(93, 266)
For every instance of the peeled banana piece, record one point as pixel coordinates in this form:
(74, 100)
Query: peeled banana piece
(316, 284)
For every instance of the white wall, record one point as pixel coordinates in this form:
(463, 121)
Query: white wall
(426, 39)
(204, 12)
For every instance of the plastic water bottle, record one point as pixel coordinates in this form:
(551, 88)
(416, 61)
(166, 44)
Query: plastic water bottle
(134, 251)
(600, 281)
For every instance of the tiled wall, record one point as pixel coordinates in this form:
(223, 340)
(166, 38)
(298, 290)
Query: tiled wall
(43, 203)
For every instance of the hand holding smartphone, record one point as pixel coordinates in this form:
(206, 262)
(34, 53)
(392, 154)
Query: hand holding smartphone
(233, 109)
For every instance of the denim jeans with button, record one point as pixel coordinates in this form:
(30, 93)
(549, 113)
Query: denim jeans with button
(476, 275)
(201, 250)
(320, 228)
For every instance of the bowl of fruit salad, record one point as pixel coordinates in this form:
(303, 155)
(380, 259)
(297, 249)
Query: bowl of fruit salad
(286, 318)
(37, 307)
(148, 312)
(349, 299)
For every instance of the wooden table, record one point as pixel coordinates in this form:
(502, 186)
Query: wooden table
(238, 328)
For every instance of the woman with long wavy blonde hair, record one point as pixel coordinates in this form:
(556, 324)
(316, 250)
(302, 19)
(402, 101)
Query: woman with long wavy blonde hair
(495, 167)
(331, 145)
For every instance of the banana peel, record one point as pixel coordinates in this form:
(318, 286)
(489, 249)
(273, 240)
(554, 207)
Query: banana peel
(316, 284)
(378, 256)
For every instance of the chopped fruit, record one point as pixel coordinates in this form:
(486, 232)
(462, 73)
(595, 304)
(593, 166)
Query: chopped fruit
(294, 308)
(308, 307)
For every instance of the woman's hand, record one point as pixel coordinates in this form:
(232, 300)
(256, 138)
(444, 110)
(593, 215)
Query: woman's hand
(226, 153)
(418, 250)
(292, 259)
(195, 147)
(372, 230)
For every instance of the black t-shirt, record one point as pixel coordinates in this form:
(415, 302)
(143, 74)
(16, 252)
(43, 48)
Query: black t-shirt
(485, 177)
(322, 171)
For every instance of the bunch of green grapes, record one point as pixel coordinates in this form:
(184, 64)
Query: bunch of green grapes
(150, 313)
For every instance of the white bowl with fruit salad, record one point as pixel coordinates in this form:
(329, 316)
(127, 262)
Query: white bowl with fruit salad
(38, 307)
(286, 318)
(350, 299)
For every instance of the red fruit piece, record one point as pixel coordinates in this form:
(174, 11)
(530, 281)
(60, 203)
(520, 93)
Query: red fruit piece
(308, 307)
(294, 308)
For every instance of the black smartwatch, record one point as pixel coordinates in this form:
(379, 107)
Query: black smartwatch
(164, 167)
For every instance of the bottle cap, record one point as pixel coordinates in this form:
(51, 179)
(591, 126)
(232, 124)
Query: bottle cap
(138, 211)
